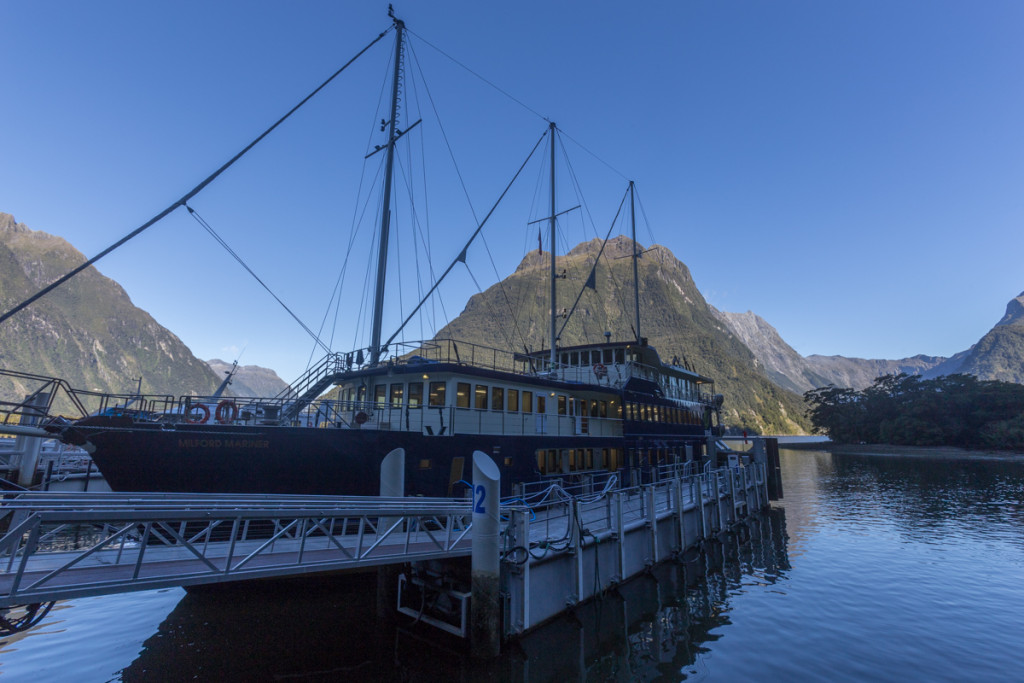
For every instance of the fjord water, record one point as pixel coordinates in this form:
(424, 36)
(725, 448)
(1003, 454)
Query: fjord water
(872, 568)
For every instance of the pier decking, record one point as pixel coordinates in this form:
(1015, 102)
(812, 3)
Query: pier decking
(556, 548)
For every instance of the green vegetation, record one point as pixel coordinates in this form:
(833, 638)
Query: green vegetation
(87, 332)
(954, 410)
(675, 318)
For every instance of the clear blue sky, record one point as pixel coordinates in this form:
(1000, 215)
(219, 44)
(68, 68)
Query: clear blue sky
(852, 172)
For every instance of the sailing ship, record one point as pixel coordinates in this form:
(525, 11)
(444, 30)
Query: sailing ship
(585, 412)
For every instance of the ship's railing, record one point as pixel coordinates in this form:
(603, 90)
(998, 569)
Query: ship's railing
(44, 397)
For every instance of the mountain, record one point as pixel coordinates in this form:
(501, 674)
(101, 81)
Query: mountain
(87, 331)
(779, 360)
(1000, 353)
(677, 321)
(249, 380)
(790, 370)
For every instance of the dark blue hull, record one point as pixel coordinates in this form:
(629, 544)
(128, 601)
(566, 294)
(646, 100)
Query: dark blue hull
(312, 461)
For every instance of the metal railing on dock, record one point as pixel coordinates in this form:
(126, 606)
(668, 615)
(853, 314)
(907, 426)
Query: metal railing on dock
(555, 546)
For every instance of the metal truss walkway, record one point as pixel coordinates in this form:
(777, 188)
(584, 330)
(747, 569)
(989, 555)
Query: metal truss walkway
(60, 546)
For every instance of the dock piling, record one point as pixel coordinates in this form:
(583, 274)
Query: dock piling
(485, 608)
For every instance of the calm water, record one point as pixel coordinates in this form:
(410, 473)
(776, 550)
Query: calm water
(872, 568)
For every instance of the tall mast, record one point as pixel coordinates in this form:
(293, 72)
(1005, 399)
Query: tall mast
(551, 129)
(636, 276)
(385, 217)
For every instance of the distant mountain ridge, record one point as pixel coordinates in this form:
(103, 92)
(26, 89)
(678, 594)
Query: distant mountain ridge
(249, 380)
(998, 355)
(87, 331)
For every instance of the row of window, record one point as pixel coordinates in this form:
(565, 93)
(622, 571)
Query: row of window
(566, 460)
(663, 414)
(482, 397)
(594, 356)
(550, 460)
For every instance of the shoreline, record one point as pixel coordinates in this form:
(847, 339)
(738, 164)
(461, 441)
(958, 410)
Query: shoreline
(887, 450)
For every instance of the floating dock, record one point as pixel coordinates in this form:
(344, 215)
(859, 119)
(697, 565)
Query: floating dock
(503, 567)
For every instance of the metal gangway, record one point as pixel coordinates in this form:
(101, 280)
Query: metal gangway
(61, 546)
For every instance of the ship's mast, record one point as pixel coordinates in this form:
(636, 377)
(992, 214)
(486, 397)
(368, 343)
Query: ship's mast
(385, 217)
(551, 129)
(636, 276)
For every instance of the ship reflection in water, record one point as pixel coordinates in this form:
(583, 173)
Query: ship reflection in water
(653, 626)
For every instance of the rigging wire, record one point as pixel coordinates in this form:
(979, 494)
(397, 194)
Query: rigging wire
(444, 135)
(220, 240)
(580, 145)
(479, 228)
(593, 270)
(336, 298)
(457, 62)
(187, 196)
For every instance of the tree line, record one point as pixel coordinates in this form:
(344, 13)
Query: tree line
(952, 410)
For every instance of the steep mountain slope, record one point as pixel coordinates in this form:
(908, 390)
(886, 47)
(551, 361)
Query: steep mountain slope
(780, 361)
(1000, 353)
(514, 314)
(249, 380)
(87, 331)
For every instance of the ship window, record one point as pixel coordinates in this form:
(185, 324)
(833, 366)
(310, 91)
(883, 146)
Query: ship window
(462, 395)
(396, 395)
(415, 394)
(527, 401)
(608, 357)
(562, 405)
(620, 356)
(542, 403)
(513, 400)
(589, 462)
(574, 358)
(604, 409)
(437, 390)
(565, 358)
(497, 398)
(378, 394)
(480, 397)
(508, 461)
(362, 394)
(424, 463)
(595, 410)
(583, 407)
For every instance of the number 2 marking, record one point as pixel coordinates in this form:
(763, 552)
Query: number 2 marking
(481, 494)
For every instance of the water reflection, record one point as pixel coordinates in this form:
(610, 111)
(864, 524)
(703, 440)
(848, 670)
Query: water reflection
(924, 500)
(655, 627)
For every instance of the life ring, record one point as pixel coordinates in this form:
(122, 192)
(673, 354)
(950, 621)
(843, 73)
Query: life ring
(600, 370)
(195, 419)
(361, 418)
(226, 412)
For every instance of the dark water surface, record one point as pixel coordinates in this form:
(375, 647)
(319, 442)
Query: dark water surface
(871, 569)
